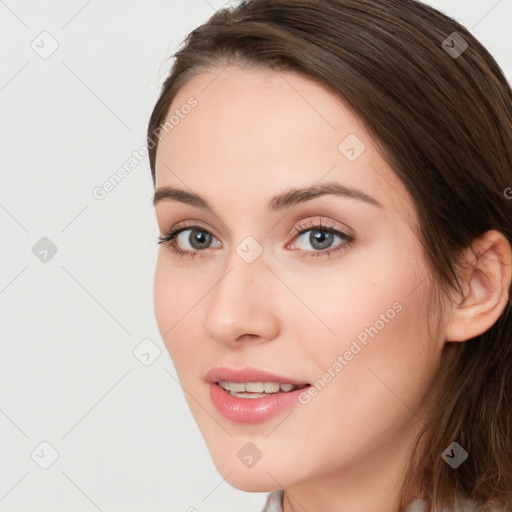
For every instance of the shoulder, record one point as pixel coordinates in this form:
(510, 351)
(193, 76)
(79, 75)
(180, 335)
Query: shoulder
(274, 503)
(463, 504)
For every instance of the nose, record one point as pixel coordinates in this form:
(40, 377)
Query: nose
(243, 305)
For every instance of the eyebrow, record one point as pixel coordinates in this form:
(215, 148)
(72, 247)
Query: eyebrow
(280, 202)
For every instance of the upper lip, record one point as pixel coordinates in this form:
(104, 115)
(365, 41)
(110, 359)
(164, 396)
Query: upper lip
(248, 375)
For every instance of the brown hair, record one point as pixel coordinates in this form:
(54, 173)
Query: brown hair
(444, 124)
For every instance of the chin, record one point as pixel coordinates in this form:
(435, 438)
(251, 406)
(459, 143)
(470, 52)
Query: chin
(265, 475)
(245, 480)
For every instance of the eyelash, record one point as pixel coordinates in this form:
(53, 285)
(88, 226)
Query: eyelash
(347, 240)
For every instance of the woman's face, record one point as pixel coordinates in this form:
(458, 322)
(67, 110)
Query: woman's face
(324, 287)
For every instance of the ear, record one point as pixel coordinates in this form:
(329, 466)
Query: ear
(485, 281)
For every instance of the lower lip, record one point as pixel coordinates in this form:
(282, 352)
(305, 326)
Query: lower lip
(251, 410)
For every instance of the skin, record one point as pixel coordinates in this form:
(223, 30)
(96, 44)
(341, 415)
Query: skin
(254, 134)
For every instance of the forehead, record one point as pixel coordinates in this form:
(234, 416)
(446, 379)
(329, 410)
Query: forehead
(257, 132)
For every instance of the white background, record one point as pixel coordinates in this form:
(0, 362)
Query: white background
(125, 438)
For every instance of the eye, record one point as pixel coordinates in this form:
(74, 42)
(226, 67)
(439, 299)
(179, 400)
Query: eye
(321, 240)
(187, 240)
(197, 239)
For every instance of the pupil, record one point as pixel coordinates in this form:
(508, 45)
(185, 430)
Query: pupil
(198, 239)
(320, 239)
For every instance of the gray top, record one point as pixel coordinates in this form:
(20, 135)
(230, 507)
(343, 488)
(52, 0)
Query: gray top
(275, 504)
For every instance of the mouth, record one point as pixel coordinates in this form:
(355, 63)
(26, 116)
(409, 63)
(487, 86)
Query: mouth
(252, 390)
(250, 395)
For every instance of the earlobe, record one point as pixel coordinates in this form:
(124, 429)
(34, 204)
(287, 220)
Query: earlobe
(485, 281)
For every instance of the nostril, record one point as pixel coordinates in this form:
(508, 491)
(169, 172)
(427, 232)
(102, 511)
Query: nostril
(246, 337)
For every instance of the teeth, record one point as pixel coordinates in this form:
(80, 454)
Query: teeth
(253, 387)
(257, 388)
(271, 387)
(237, 387)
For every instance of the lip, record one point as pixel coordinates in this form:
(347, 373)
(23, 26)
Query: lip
(250, 410)
(248, 375)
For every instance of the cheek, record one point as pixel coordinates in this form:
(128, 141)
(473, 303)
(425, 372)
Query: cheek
(376, 391)
(177, 296)
(164, 300)
(173, 296)
(366, 289)
(371, 313)
(379, 357)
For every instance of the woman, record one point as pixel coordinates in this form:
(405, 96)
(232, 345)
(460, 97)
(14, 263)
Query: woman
(334, 279)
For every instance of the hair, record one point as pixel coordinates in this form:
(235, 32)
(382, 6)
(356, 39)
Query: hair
(444, 124)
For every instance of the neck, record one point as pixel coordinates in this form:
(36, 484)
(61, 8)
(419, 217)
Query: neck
(371, 483)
